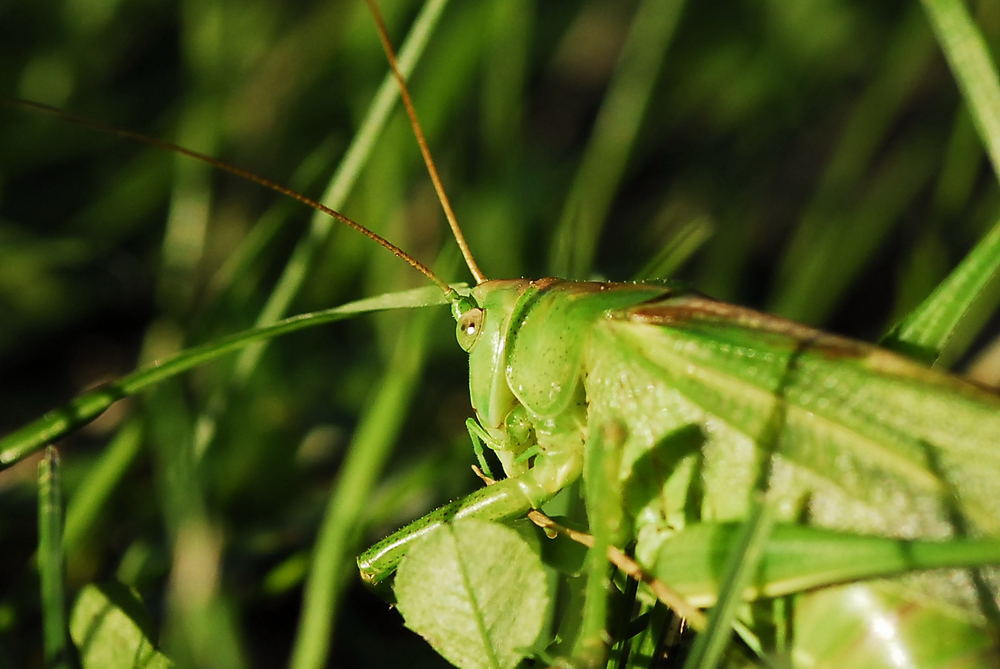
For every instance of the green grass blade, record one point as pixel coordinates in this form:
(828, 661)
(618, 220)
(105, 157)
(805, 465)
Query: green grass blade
(367, 455)
(872, 118)
(88, 406)
(602, 463)
(688, 237)
(94, 491)
(613, 138)
(50, 560)
(189, 216)
(935, 329)
(969, 58)
(199, 630)
(297, 269)
(741, 564)
(849, 240)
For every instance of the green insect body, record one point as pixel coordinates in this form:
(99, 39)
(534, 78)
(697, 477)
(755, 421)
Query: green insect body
(517, 368)
(708, 404)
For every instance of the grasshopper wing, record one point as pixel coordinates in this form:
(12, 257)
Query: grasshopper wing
(854, 438)
(909, 443)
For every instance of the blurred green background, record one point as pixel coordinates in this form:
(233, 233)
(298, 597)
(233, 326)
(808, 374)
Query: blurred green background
(808, 158)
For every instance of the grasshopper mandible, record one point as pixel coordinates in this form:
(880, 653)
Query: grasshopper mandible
(861, 439)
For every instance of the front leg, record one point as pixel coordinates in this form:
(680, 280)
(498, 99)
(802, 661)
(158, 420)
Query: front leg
(558, 466)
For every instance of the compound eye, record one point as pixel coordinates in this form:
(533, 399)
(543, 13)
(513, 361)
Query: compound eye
(469, 326)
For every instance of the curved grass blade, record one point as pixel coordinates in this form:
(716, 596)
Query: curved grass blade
(603, 460)
(976, 74)
(934, 329)
(86, 407)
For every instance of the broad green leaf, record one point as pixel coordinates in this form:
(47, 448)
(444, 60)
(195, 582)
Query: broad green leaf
(477, 592)
(109, 630)
(799, 557)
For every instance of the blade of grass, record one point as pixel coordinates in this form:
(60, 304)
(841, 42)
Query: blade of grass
(872, 118)
(89, 405)
(740, 567)
(50, 560)
(929, 262)
(976, 75)
(320, 227)
(845, 246)
(604, 512)
(338, 535)
(940, 328)
(100, 482)
(614, 135)
(689, 237)
(199, 630)
(188, 217)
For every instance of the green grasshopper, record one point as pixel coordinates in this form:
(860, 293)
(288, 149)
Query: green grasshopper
(722, 406)
(567, 376)
(859, 429)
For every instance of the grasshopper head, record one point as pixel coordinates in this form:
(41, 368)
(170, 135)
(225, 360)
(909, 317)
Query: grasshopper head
(483, 326)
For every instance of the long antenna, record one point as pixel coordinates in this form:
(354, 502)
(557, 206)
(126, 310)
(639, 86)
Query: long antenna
(238, 171)
(404, 92)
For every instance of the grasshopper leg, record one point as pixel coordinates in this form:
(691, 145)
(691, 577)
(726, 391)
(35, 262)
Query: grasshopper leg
(478, 436)
(505, 499)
